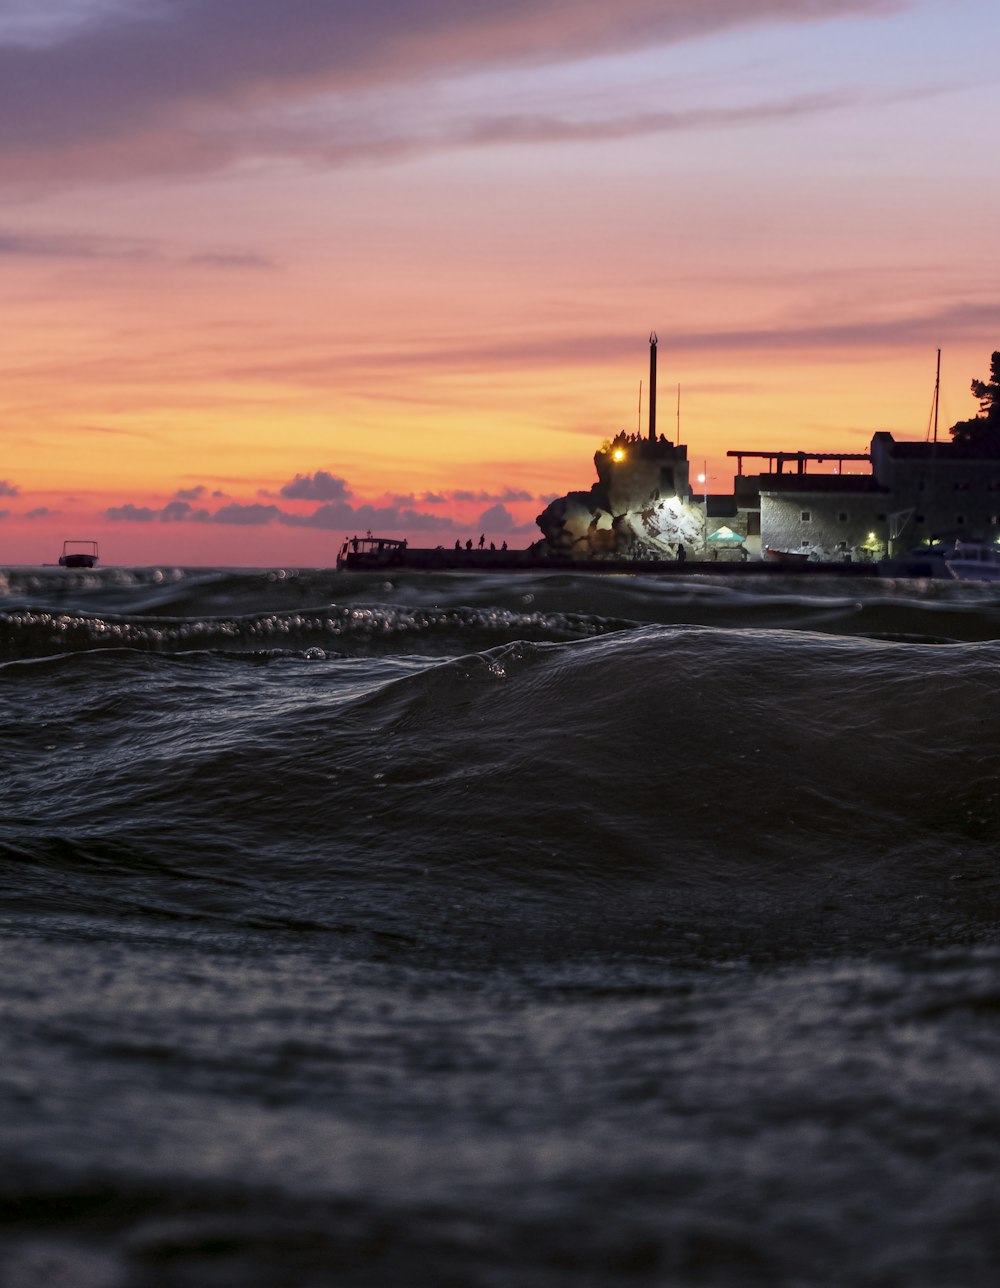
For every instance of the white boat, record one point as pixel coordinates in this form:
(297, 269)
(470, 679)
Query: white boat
(974, 561)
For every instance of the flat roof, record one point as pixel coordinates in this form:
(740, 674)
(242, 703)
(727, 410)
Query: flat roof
(819, 483)
(803, 456)
(944, 453)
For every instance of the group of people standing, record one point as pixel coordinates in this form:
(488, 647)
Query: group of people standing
(482, 543)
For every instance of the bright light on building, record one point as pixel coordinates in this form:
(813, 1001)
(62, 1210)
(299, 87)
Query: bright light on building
(871, 536)
(702, 478)
(618, 454)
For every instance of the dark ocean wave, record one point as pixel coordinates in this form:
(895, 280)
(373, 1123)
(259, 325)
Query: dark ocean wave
(176, 610)
(338, 629)
(670, 767)
(541, 929)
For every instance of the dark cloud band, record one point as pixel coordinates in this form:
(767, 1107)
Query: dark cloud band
(170, 85)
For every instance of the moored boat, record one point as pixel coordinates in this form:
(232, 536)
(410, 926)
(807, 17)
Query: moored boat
(786, 556)
(370, 552)
(974, 561)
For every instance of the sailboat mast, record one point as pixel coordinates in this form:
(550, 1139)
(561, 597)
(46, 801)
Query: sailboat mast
(937, 393)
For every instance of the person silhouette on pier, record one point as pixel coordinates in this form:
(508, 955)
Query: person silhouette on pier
(482, 540)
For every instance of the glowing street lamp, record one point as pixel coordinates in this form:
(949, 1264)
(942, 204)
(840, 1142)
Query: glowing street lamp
(703, 480)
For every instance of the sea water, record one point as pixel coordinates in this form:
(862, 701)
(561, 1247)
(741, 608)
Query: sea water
(539, 929)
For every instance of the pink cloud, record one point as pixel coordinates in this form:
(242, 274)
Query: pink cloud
(334, 514)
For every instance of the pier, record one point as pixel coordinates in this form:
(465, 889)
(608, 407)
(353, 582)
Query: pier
(441, 559)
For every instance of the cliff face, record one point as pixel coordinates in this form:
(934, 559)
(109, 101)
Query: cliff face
(639, 508)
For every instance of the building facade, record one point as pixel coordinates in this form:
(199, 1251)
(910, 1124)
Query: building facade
(910, 495)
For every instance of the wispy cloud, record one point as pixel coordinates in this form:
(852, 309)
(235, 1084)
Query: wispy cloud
(30, 23)
(965, 320)
(117, 431)
(8, 489)
(28, 245)
(232, 260)
(21, 244)
(181, 85)
(392, 132)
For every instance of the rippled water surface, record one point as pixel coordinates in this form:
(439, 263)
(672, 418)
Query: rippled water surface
(467, 929)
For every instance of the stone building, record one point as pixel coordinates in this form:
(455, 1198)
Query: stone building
(824, 506)
(945, 491)
(641, 506)
(910, 494)
(824, 516)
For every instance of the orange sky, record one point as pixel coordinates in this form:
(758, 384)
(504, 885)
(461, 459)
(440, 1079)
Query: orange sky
(265, 286)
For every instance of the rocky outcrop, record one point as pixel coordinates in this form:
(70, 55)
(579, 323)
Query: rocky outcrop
(640, 507)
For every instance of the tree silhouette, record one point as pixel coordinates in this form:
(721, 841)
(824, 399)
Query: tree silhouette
(989, 393)
(983, 431)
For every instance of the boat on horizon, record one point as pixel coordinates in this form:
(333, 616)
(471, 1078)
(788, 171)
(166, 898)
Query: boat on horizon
(78, 554)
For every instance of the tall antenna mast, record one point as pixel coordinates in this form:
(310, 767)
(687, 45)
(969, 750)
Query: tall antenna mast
(638, 422)
(678, 415)
(652, 387)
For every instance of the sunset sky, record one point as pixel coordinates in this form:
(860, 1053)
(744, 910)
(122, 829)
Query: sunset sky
(274, 273)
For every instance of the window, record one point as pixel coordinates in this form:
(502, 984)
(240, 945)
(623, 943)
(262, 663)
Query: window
(918, 518)
(960, 519)
(961, 487)
(841, 545)
(921, 485)
(842, 516)
(806, 516)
